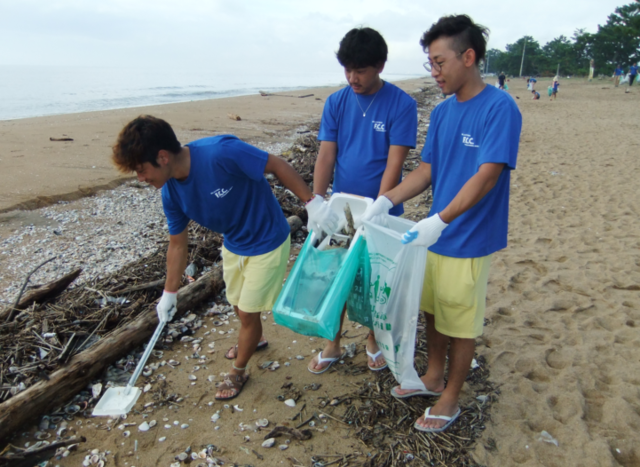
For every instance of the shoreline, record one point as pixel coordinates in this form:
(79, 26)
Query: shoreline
(36, 172)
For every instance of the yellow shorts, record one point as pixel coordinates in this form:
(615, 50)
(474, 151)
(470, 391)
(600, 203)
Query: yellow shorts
(254, 282)
(455, 292)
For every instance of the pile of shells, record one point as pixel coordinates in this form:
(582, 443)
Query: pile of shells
(95, 457)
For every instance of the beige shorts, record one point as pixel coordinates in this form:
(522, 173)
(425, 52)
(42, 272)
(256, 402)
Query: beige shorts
(254, 282)
(455, 293)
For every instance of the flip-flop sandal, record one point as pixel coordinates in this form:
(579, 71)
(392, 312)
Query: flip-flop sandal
(449, 421)
(261, 345)
(374, 357)
(321, 360)
(422, 392)
(234, 383)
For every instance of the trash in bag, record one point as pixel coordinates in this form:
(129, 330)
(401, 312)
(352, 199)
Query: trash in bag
(358, 305)
(313, 297)
(397, 274)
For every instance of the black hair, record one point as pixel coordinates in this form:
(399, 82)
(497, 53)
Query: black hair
(465, 34)
(362, 47)
(141, 140)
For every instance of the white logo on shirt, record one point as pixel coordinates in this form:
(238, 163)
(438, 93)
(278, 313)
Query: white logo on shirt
(467, 140)
(379, 126)
(221, 192)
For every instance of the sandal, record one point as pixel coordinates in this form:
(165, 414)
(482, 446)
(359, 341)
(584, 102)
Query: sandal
(234, 383)
(261, 345)
(374, 357)
(448, 420)
(322, 360)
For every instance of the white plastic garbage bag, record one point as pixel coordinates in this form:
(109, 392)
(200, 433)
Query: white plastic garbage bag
(397, 273)
(625, 79)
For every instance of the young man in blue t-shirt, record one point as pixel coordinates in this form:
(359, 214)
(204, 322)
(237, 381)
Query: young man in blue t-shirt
(471, 148)
(219, 183)
(616, 75)
(633, 74)
(366, 132)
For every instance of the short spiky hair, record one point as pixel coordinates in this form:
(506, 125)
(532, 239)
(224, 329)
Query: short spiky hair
(141, 140)
(465, 34)
(362, 47)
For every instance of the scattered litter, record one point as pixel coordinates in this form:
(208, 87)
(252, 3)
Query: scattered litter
(547, 438)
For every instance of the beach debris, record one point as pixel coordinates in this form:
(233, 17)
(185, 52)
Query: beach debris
(234, 117)
(283, 447)
(300, 435)
(144, 426)
(184, 426)
(96, 390)
(215, 417)
(237, 408)
(547, 438)
(299, 357)
(474, 364)
(192, 377)
(350, 350)
(152, 423)
(161, 439)
(262, 422)
(66, 138)
(211, 378)
(268, 443)
(290, 403)
(126, 434)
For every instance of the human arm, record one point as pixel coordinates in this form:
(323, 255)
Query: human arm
(393, 171)
(288, 176)
(325, 164)
(176, 264)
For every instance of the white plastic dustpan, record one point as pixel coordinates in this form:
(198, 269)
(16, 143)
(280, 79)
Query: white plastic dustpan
(120, 400)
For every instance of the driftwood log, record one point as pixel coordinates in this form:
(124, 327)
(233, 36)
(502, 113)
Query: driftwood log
(86, 366)
(40, 294)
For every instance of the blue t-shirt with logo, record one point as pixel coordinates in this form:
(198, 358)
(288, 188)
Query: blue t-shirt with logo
(226, 192)
(363, 141)
(461, 137)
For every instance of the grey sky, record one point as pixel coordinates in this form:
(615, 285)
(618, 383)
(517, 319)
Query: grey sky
(268, 36)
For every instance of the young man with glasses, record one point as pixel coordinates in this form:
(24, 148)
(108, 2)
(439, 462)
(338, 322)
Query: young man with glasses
(366, 132)
(471, 148)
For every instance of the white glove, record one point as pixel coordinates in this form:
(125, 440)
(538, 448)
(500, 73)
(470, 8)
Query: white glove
(375, 212)
(167, 306)
(321, 217)
(426, 232)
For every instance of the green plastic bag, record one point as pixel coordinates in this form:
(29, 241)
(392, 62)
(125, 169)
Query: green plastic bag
(358, 302)
(314, 295)
(506, 87)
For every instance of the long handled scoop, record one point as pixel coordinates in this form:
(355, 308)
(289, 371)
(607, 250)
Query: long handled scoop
(119, 400)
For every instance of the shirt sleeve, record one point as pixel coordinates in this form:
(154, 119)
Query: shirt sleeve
(329, 123)
(502, 134)
(176, 219)
(241, 159)
(404, 129)
(427, 150)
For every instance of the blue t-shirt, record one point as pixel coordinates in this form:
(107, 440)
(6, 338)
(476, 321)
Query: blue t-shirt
(618, 71)
(633, 70)
(461, 137)
(555, 85)
(363, 142)
(226, 192)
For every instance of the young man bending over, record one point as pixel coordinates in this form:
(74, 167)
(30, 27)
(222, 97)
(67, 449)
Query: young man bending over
(366, 132)
(219, 183)
(471, 148)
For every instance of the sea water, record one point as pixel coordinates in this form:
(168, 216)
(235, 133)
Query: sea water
(32, 91)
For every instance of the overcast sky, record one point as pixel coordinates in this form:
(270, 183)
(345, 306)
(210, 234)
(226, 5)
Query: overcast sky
(260, 35)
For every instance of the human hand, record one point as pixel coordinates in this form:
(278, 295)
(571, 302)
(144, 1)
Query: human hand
(321, 217)
(167, 306)
(375, 212)
(426, 232)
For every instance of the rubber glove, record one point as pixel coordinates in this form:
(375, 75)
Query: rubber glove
(375, 213)
(167, 306)
(426, 232)
(321, 217)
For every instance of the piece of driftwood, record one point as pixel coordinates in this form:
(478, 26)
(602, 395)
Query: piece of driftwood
(86, 366)
(137, 288)
(295, 223)
(60, 139)
(28, 458)
(40, 294)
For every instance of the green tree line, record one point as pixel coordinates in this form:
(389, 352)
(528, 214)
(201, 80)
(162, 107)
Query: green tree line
(616, 43)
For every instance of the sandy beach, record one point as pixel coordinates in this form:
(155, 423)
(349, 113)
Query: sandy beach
(562, 336)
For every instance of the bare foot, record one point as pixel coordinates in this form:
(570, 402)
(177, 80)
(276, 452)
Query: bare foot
(435, 386)
(328, 352)
(441, 408)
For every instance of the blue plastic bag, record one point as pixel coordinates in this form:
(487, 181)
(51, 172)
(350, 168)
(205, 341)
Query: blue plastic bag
(358, 302)
(317, 288)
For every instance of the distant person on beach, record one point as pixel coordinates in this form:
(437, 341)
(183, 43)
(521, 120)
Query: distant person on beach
(554, 88)
(366, 132)
(592, 68)
(617, 73)
(536, 95)
(470, 151)
(501, 79)
(633, 73)
(219, 183)
(532, 83)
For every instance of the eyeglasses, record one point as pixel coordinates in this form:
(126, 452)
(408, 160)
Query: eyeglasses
(437, 66)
